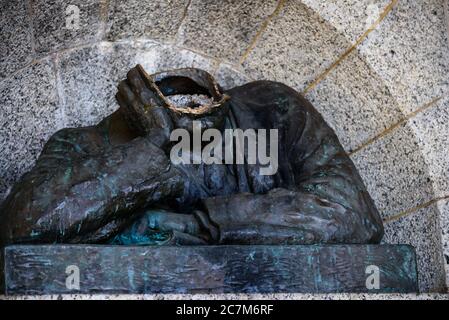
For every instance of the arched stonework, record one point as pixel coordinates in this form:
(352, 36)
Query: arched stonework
(376, 69)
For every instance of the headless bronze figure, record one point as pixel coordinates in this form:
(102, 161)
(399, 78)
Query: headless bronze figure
(114, 182)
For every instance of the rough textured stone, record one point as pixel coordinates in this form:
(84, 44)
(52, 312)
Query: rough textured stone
(432, 130)
(355, 102)
(51, 30)
(421, 229)
(29, 114)
(443, 207)
(89, 76)
(351, 18)
(231, 26)
(394, 171)
(228, 77)
(156, 57)
(296, 47)
(158, 19)
(15, 37)
(409, 51)
(446, 11)
(236, 296)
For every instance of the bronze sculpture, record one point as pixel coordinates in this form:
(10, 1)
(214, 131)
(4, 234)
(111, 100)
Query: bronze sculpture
(114, 182)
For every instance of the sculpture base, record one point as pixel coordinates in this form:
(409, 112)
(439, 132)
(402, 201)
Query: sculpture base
(51, 269)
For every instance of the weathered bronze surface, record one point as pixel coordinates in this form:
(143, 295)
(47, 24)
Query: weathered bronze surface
(42, 269)
(114, 182)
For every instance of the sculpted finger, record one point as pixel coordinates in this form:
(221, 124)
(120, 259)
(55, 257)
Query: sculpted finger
(139, 87)
(180, 222)
(161, 113)
(181, 238)
(127, 94)
(158, 137)
(207, 224)
(121, 100)
(134, 108)
(162, 118)
(155, 105)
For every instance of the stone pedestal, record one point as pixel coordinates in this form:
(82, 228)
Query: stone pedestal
(54, 269)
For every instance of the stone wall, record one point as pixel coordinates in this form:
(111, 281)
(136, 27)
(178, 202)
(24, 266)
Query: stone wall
(376, 69)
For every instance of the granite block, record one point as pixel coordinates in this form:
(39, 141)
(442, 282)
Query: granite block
(88, 81)
(432, 131)
(443, 207)
(446, 11)
(29, 114)
(159, 57)
(15, 37)
(154, 19)
(351, 18)
(236, 296)
(224, 29)
(59, 24)
(90, 75)
(395, 172)
(297, 46)
(229, 77)
(409, 51)
(421, 229)
(354, 102)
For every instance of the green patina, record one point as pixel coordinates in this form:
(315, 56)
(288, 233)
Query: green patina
(150, 237)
